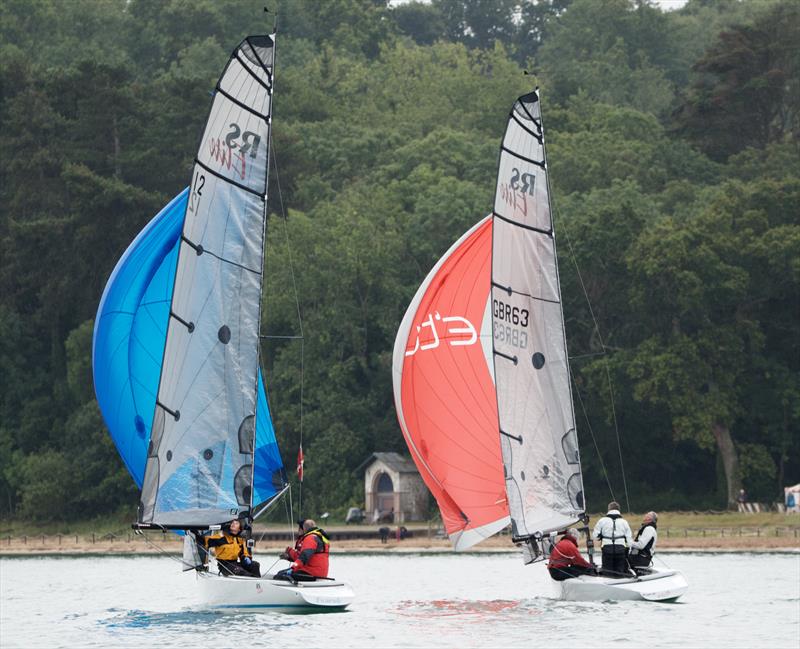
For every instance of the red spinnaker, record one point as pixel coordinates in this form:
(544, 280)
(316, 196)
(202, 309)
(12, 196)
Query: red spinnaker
(444, 390)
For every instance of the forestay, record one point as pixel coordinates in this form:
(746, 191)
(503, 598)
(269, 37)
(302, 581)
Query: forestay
(537, 428)
(200, 457)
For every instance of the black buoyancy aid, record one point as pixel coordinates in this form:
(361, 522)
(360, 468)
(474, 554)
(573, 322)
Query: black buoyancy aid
(645, 551)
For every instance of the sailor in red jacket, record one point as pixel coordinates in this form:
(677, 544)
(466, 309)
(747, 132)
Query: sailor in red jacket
(310, 555)
(566, 561)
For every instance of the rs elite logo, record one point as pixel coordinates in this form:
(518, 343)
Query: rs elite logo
(233, 152)
(453, 335)
(515, 192)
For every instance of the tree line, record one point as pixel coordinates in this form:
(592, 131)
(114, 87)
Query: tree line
(673, 151)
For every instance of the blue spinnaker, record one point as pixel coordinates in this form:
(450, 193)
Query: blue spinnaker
(268, 474)
(129, 333)
(129, 337)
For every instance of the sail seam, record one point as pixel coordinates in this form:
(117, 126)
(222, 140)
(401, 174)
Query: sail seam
(262, 196)
(267, 87)
(242, 105)
(549, 233)
(538, 163)
(538, 137)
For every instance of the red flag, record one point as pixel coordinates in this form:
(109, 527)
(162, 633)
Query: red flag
(300, 462)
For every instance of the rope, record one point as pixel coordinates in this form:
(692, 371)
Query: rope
(591, 432)
(574, 258)
(297, 306)
(162, 550)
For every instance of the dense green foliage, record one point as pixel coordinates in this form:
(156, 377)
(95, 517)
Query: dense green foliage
(673, 147)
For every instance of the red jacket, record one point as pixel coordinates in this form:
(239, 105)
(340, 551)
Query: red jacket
(566, 554)
(313, 555)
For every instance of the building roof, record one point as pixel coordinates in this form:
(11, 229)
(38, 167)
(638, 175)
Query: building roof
(395, 461)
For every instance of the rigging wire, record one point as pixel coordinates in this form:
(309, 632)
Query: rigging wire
(301, 337)
(591, 432)
(162, 550)
(574, 258)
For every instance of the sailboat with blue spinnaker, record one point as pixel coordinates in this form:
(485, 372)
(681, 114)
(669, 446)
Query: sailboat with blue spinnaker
(176, 347)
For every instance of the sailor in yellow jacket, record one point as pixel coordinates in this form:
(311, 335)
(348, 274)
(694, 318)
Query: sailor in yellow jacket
(233, 555)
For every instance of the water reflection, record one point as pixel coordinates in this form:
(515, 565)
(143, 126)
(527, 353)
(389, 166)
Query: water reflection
(454, 607)
(208, 620)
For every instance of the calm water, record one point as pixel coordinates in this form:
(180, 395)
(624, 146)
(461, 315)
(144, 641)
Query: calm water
(404, 601)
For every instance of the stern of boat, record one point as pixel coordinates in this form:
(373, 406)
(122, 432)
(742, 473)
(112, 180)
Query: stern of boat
(268, 594)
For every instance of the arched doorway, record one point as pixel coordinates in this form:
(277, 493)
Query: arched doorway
(384, 496)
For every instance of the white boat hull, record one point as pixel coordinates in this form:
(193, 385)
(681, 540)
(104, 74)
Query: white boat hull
(249, 593)
(658, 586)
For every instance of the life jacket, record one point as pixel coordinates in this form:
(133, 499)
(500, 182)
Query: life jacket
(228, 547)
(314, 553)
(646, 551)
(565, 554)
(617, 534)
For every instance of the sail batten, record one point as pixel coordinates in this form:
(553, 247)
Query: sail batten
(485, 406)
(535, 416)
(200, 461)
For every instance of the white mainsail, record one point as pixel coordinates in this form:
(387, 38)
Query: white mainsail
(537, 424)
(200, 461)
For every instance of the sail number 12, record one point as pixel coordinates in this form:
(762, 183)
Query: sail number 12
(197, 192)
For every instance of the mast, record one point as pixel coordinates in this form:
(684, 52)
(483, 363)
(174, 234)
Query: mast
(258, 383)
(536, 420)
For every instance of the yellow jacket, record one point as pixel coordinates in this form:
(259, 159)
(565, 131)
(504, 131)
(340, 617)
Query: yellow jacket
(228, 547)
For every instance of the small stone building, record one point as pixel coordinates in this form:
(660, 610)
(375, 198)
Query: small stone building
(393, 489)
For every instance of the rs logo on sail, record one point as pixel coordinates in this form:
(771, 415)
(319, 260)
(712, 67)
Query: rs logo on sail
(250, 140)
(522, 181)
(233, 153)
(468, 329)
(515, 192)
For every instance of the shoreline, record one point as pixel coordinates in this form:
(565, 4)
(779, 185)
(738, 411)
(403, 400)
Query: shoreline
(34, 547)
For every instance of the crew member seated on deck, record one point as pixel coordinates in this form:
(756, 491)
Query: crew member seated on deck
(565, 560)
(616, 537)
(644, 544)
(233, 555)
(310, 555)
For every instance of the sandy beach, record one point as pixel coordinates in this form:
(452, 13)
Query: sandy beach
(67, 545)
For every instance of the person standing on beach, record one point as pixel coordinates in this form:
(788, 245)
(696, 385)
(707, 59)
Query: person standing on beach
(644, 545)
(615, 537)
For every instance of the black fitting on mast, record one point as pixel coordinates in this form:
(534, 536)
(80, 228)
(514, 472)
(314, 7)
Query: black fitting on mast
(274, 20)
(589, 539)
